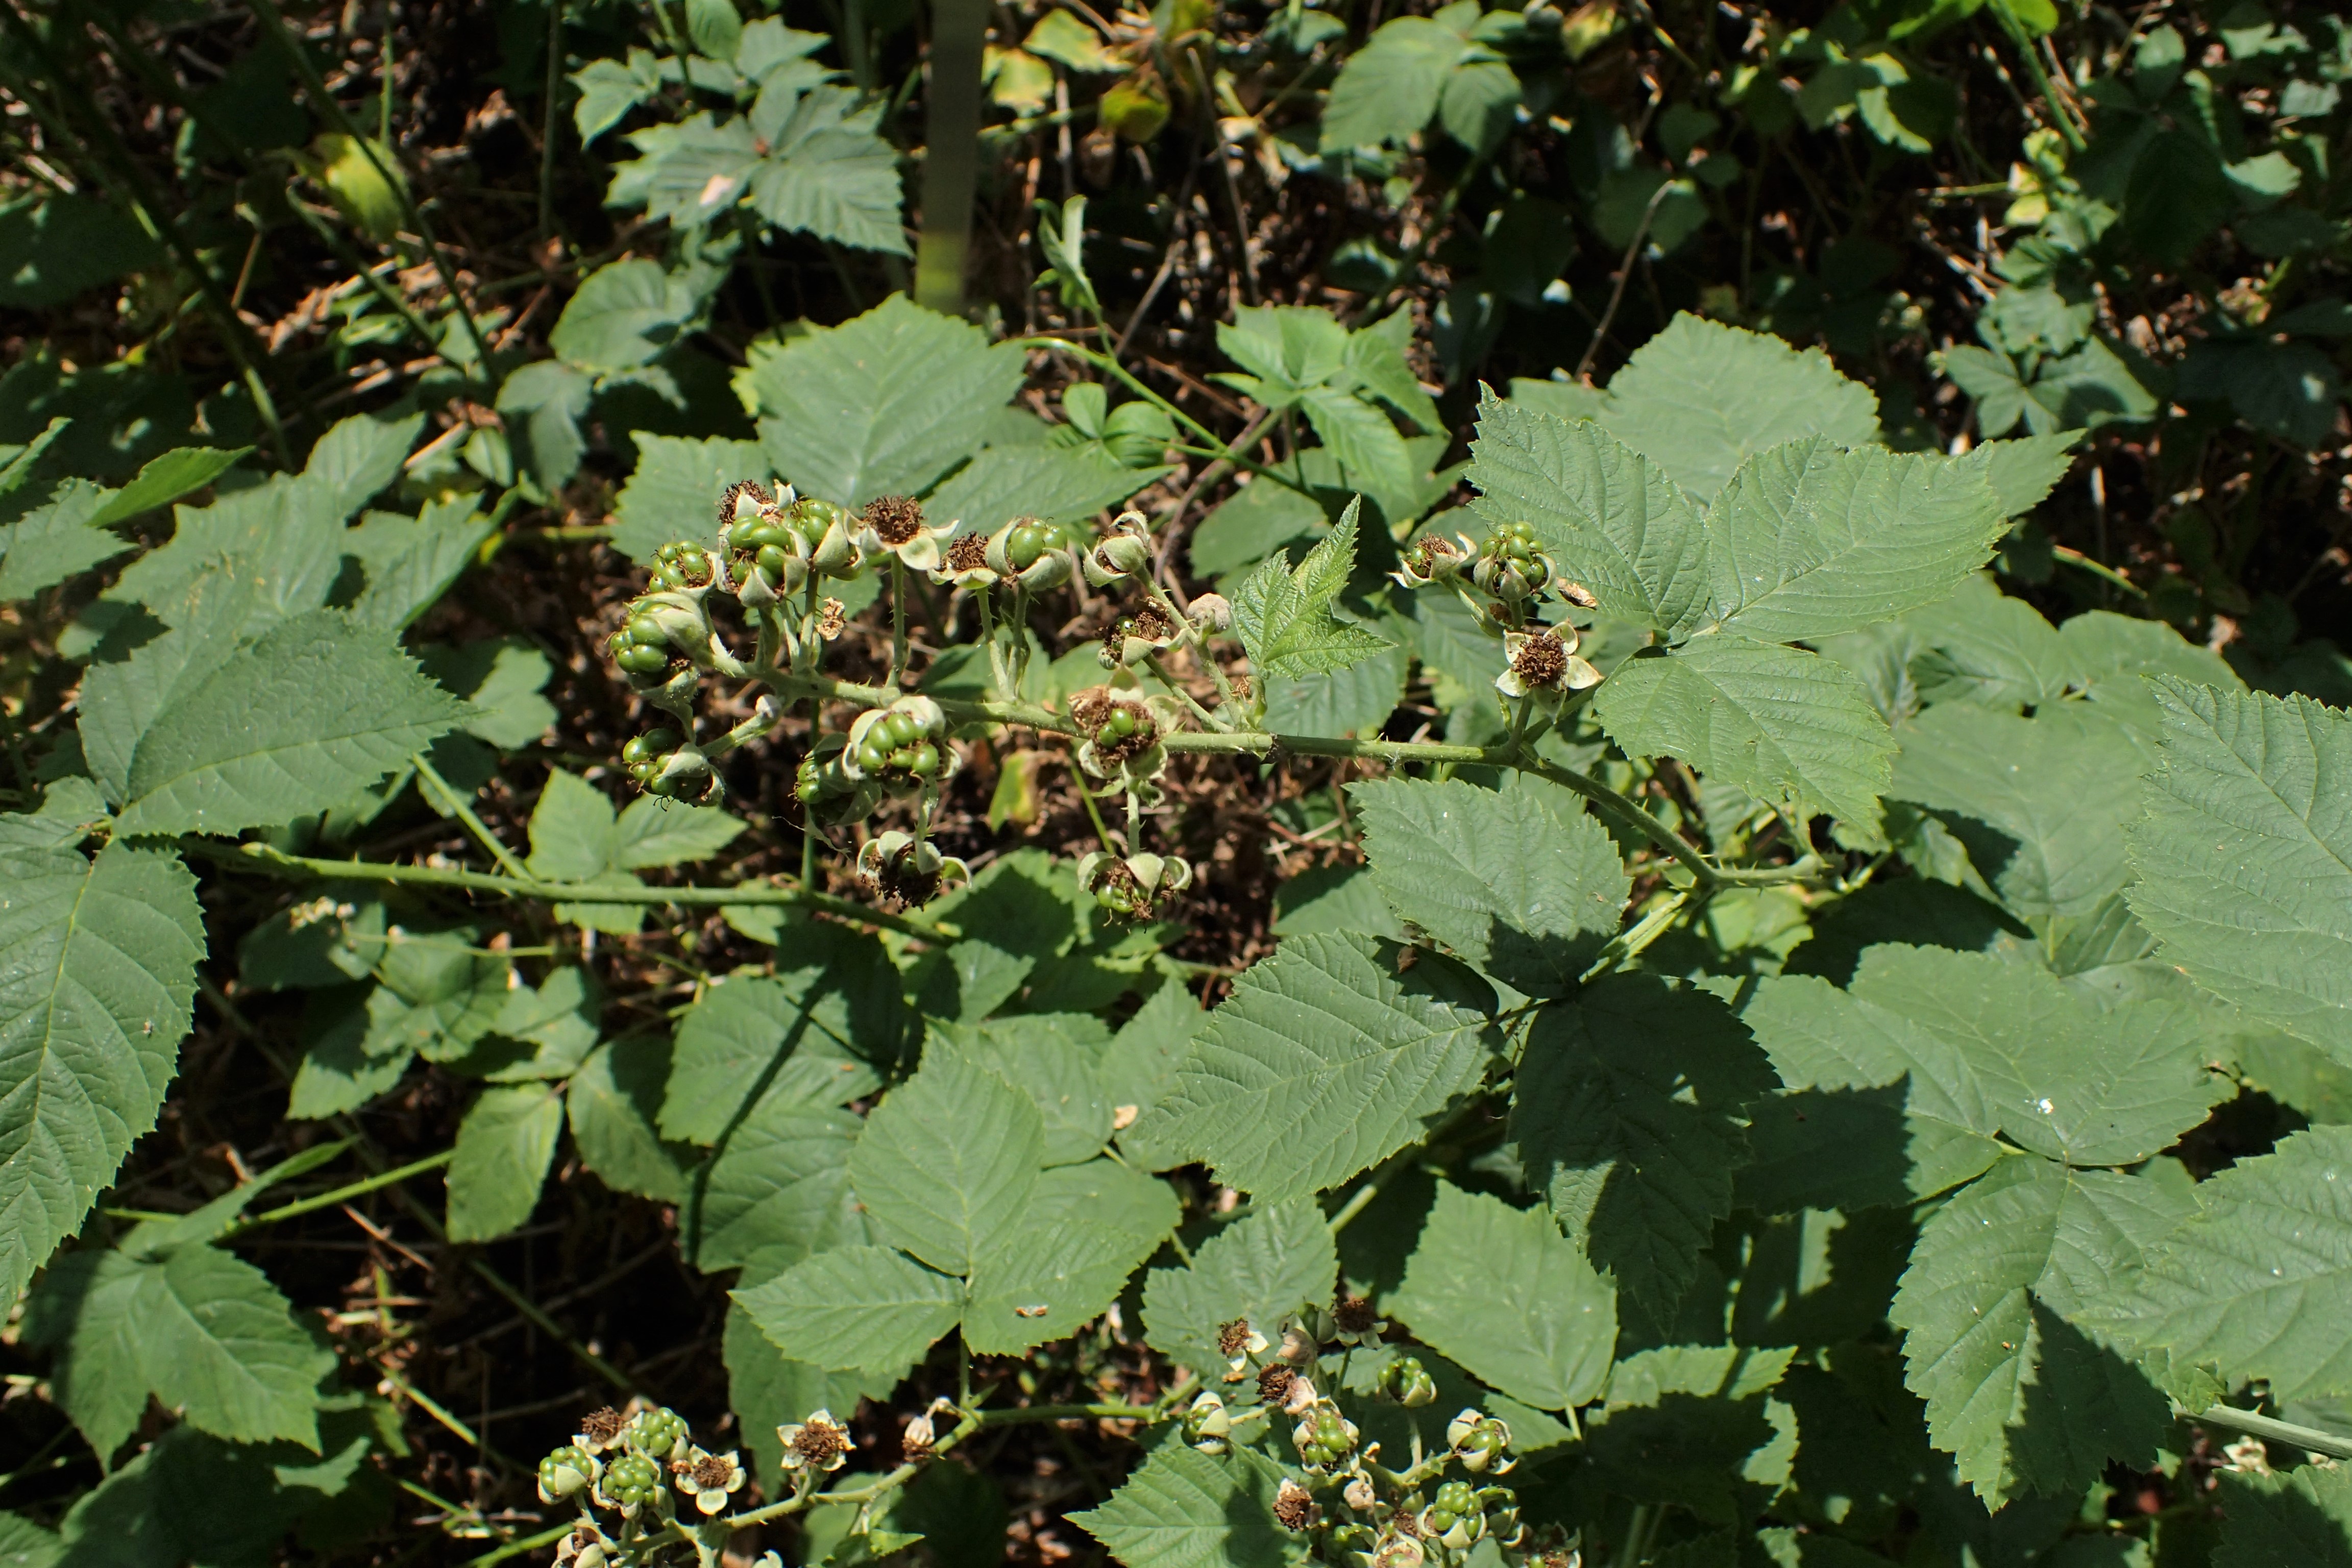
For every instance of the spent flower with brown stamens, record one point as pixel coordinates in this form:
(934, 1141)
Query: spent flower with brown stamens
(600, 1429)
(893, 525)
(819, 1443)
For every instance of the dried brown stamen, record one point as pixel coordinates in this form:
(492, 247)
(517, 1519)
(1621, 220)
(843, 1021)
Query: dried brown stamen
(1541, 660)
(967, 552)
(1274, 1383)
(895, 519)
(1234, 1337)
(1152, 624)
(601, 1426)
(710, 1474)
(728, 498)
(1354, 1315)
(818, 1441)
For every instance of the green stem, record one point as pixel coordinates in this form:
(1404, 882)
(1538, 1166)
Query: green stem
(342, 1194)
(2334, 1445)
(457, 807)
(2024, 42)
(1628, 813)
(521, 1544)
(2073, 557)
(260, 857)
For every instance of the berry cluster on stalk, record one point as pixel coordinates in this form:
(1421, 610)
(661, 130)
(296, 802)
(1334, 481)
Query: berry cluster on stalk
(779, 556)
(1355, 1505)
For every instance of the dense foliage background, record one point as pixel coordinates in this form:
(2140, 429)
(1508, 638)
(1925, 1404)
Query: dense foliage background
(359, 361)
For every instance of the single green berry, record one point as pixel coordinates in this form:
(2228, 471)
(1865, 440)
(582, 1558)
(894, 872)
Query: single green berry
(924, 761)
(646, 632)
(902, 727)
(1026, 545)
(1457, 1499)
(900, 759)
(872, 758)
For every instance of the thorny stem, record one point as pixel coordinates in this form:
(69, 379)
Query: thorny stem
(260, 857)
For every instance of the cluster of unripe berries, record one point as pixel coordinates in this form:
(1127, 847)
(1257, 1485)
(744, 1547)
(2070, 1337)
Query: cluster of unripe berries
(641, 647)
(900, 746)
(1511, 564)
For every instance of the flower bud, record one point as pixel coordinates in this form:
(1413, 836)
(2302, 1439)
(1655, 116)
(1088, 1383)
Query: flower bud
(1117, 555)
(1407, 1382)
(1207, 1424)
(1210, 613)
(1358, 1495)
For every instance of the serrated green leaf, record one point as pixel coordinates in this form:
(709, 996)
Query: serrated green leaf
(315, 711)
(826, 172)
(1359, 1060)
(1875, 1109)
(855, 1306)
(2056, 1073)
(1008, 481)
(556, 1022)
(1611, 518)
(64, 535)
(504, 1146)
(1373, 456)
(656, 832)
(625, 314)
(675, 490)
(338, 1074)
(1514, 882)
(796, 1036)
(1809, 540)
(1500, 1291)
(2023, 472)
(2039, 801)
(1262, 1266)
(1390, 89)
(2302, 1516)
(1048, 1279)
(2245, 855)
(2259, 1280)
(97, 969)
(192, 1497)
(1184, 1509)
(1283, 616)
(2015, 1391)
(1630, 1111)
(947, 1161)
(1787, 726)
(776, 1189)
(1356, 701)
(412, 562)
(885, 403)
(207, 1332)
(502, 678)
(768, 1389)
(611, 1103)
(1051, 1058)
(1700, 397)
(438, 996)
